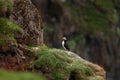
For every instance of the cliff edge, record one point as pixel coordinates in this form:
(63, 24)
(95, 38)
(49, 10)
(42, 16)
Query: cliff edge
(22, 49)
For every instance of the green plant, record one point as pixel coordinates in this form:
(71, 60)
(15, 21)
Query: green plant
(60, 65)
(5, 75)
(5, 5)
(7, 30)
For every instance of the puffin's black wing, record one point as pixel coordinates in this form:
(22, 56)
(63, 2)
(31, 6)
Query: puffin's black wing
(66, 46)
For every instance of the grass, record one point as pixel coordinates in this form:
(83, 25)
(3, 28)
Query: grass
(95, 78)
(104, 4)
(60, 65)
(5, 75)
(7, 30)
(7, 26)
(5, 5)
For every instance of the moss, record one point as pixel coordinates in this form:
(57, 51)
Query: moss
(5, 75)
(48, 27)
(95, 20)
(95, 78)
(5, 5)
(4, 39)
(30, 47)
(108, 4)
(8, 26)
(7, 30)
(92, 16)
(60, 65)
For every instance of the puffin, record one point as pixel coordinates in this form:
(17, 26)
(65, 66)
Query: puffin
(64, 43)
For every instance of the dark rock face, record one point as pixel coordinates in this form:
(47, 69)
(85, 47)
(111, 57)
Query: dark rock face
(98, 46)
(14, 55)
(27, 16)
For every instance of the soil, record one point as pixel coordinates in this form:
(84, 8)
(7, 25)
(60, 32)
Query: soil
(10, 61)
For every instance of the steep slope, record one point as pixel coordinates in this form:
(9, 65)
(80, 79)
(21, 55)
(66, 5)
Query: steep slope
(91, 26)
(22, 24)
(27, 16)
(57, 64)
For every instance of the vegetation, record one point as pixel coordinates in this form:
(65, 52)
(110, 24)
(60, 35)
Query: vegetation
(48, 28)
(5, 5)
(54, 62)
(93, 16)
(95, 78)
(90, 17)
(5, 75)
(60, 66)
(7, 30)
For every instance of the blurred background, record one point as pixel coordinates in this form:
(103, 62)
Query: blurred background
(92, 28)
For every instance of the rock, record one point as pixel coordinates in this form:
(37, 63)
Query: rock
(79, 22)
(64, 65)
(27, 16)
(99, 70)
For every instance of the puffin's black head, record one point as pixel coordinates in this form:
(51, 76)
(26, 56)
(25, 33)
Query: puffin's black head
(64, 38)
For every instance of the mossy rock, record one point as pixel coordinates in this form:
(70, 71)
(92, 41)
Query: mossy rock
(7, 30)
(5, 5)
(5, 75)
(61, 66)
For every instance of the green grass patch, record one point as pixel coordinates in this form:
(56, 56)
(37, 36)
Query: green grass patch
(5, 5)
(7, 30)
(5, 75)
(95, 78)
(7, 26)
(60, 65)
(107, 4)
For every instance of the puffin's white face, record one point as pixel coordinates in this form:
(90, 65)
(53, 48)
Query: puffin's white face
(64, 38)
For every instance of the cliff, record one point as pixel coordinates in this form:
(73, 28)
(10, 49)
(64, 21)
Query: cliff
(58, 64)
(91, 26)
(22, 48)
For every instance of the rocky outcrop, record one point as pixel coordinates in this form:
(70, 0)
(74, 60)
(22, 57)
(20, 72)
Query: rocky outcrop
(20, 25)
(91, 26)
(27, 16)
(57, 64)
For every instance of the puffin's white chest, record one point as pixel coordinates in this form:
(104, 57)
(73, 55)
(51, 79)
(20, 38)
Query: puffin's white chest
(63, 43)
